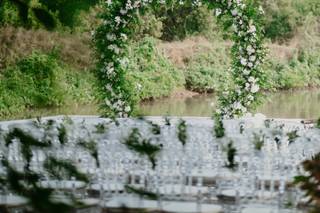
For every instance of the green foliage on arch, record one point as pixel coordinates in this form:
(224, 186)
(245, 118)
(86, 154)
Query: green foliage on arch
(112, 36)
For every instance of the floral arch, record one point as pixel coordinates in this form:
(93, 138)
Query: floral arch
(111, 39)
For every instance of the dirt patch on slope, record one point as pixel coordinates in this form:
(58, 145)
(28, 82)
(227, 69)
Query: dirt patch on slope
(180, 52)
(183, 93)
(19, 42)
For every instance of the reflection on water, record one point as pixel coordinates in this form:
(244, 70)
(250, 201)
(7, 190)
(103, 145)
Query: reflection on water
(288, 104)
(293, 104)
(69, 110)
(285, 104)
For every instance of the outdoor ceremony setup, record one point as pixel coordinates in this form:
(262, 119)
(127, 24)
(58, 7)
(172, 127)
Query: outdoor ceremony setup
(237, 161)
(184, 168)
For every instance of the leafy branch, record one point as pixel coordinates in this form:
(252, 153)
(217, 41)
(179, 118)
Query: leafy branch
(91, 147)
(141, 192)
(167, 121)
(318, 124)
(231, 153)
(292, 136)
(27, 141)
(62, 169)
(155, 128)
(182, 132)
(258, 141)
(218, 127)
(26, 184)
(136, 143)
(62, 134)
(43, 15)
(311, 183)
(101, 128)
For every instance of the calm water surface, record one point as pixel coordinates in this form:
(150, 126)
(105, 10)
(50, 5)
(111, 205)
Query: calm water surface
(284, 104)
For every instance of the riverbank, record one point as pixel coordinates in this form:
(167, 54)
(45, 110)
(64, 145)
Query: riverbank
(303, 104)
(157, 69)
(295, 104)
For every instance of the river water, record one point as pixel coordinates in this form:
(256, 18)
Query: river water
(284, 104)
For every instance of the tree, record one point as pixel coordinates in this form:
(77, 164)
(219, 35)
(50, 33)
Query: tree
(48, 12)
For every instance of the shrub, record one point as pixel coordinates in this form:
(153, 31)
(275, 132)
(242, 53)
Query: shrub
(39, 80)
(8, 14)
(310, 183)
(147, 25)
(293, 75)
(174, 24)
(207, 70)
(150, 73)
(281, 21)
(67, 11)
(80, 86)
(184, 20)
(46, 13)
(279, 27)
(36, 79)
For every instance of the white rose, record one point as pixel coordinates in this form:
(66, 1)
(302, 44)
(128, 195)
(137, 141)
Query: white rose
(252, 58)
(237, 105)
(243, 61)
(246, 72)
(251, 79)
(252, 29)
(234, 12)
(117, 20)
(250, 50)
(255, 88)
(127, 109)
(218, 12)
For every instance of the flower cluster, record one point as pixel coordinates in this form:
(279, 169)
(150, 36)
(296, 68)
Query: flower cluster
(112, 36)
